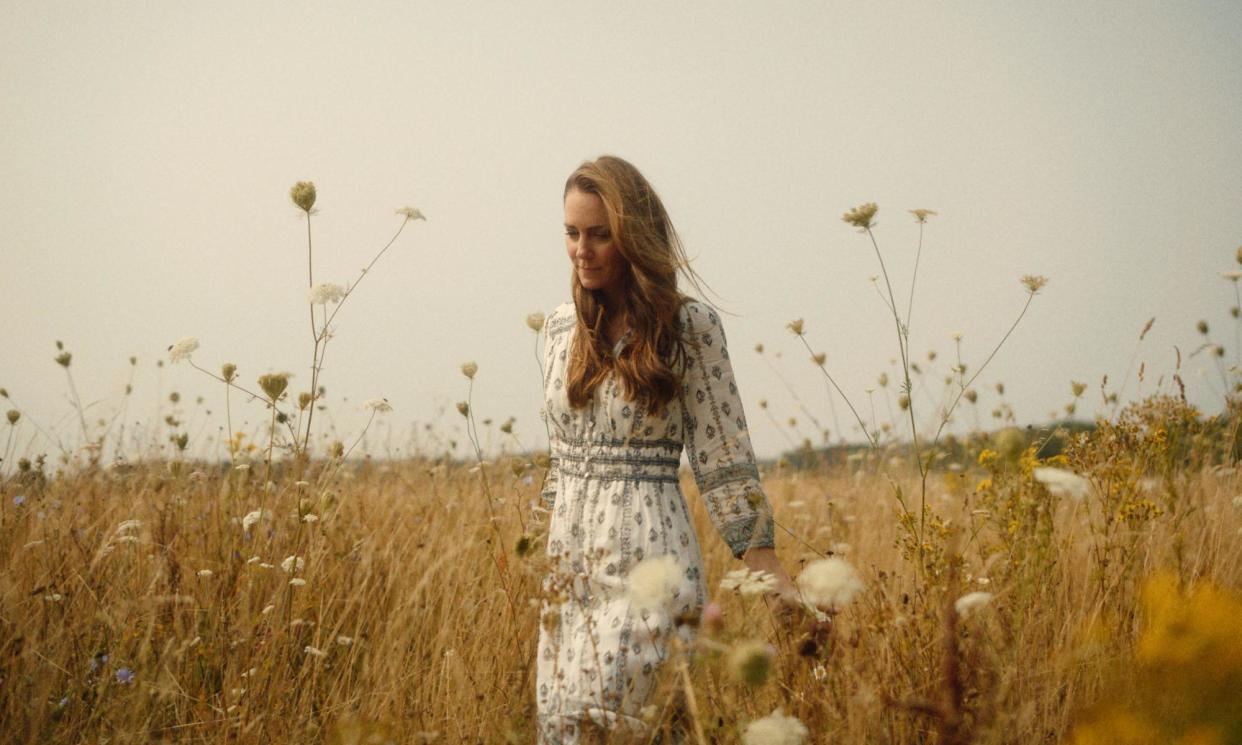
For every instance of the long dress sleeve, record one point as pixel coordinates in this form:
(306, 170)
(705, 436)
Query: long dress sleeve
(717, 442)
(551, 477)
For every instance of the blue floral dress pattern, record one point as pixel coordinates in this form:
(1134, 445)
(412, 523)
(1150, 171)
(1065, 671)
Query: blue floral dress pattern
(614, 497)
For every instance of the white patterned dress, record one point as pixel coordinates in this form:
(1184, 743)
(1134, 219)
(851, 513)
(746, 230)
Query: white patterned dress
(615, 500)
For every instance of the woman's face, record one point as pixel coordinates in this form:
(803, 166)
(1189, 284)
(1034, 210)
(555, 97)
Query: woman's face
(589, 241)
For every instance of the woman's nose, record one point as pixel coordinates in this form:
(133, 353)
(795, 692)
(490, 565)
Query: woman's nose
(582, 249)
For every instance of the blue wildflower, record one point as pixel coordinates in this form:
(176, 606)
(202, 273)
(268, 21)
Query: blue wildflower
(124, 675)
(19, 500)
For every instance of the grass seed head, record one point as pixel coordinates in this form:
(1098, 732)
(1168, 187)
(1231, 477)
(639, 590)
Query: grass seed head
(303, 195)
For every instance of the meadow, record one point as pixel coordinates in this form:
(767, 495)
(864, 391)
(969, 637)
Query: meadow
(1059, 584)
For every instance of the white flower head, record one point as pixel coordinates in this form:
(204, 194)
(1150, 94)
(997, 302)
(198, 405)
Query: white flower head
(378, 405)
(292, 564)
(652, 582)
(253, 517)
(297, 582)
(204, 572)
(970, 602)
(749, 582)
(775, 729)
(182, 348)
(314, 651)
(1237, 501)
(1061, 482)
(326, 292)
(411, 213)
(535, 321)
(829, 583)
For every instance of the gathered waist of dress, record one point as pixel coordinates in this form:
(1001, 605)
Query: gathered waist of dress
(639, 460)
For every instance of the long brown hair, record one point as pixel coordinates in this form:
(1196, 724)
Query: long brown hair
(651, 364)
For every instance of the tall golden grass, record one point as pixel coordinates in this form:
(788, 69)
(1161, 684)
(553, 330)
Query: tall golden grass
(415, 620)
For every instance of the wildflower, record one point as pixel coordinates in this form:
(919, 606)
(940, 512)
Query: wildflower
(251, 518)
(903, 401)
(378, 405)
(463, 408)
(19, 500)
(411, 213)
(297, 582)
(344, 641)
(653, 582)
(267, 609)
(712, 618)
(1077, 388)
(775, 729)
(182, 349)
(13, 415)
(326, 292)
(861, 216)
(128, 525)
(795, 326)
(1203, 327)
(310, 517)
(55, 597)
(314, 651)
(303, 195)
(63, 359)
(922, 215)
(1034, 283)
(830, 583)
(749, 583)
(970, 602)
(750, 662)
(274, 384)
(1233, 276)
(469, 369)
(292, 564)
(819, 359)
(971, 395)
(957, 335)
(304, 400)
(124, 676)
(228, 371)
(535, 322)
(1062, 483)
(204, 573)
(99, 660)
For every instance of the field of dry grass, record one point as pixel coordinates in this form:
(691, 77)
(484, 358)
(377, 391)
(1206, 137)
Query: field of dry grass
(137, 605)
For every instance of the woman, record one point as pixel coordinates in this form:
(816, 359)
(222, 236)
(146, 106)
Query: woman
(634, 371)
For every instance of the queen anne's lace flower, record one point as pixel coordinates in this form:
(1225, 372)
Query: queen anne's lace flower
(378, 405)
(325, 292)
(1062, 483)
(182, 349)
(829, 583)
(749, 583)
(775, 729)
(652, 582)
(292, 564)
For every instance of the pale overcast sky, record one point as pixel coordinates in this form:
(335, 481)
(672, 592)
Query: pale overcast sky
(147, 150)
